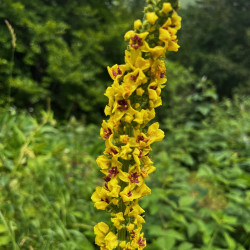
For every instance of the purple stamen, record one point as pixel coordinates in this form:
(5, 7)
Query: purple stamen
(107, 178)
(137, 42)
(153, 87)
(134, 178)
(124, 105)
(107, 133)
(113, 172)
(141, 242)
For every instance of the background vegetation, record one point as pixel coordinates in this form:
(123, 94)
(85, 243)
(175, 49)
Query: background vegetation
(51, 108)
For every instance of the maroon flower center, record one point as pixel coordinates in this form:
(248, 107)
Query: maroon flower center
(129, 194)
(140, 155)
(134, 178)
(136, 42)
(119, 72)
(153, 87)
(108, 133)
(162, 75)
(106, 200)
(123, 105)
(113, 151)
(113, 171)
(132, 234)
(141, 138)
(106, 186)
(141, 242)
(134, 78)
(107, 179)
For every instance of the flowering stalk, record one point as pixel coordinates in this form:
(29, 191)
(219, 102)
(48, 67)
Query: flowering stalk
(133, 97)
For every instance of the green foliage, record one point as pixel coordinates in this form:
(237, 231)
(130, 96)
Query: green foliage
(60, 54)
(211, 44)
(200, 191)
(200, 196)
(46, 180)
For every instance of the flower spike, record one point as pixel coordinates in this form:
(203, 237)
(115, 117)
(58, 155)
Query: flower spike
(133, 97)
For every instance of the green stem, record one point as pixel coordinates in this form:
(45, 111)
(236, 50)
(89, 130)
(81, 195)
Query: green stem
(11, 74)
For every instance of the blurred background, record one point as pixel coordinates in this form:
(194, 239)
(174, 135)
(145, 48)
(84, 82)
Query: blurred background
(52, 82)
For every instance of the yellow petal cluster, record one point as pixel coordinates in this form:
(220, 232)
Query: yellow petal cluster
(132, 99)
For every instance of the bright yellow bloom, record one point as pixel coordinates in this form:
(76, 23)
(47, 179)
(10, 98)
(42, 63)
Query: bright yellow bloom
(101, 230)
(140, 91)
(103, 162)
(157, 51)
(136, 40)
(151, 17)
(100, 198)
(111, 241)
(116, 71)
(154, 133)
(118, 218)
(137, 24)
(166, 8)
(106, 130)
(134, 59)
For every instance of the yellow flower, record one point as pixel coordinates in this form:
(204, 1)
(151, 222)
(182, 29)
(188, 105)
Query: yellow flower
(129, 195)
(116, 71)
(147, 167)
(154, 133)
(141, 242)
(166, 8)
(140, 91)
(157, 51)
(106, 130)
(164, 35)
(176, 21)
(100, 198)
(125, 152)
(124, 139)
(129, 118)
(111, 241)
(151, 17)
(173, 46)
(118, 218)
(134, 59)
(136, 40)
(135, 78)
(112, 188)
(130, 226)
(137, 24)
(101, 230)
(153, 91)
(103, 162)
(144, 116)
(111, 149)
(158, 70)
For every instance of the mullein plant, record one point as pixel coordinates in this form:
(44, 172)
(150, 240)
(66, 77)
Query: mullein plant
(133, 97)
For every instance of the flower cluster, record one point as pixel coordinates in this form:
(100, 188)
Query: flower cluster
(133, 97)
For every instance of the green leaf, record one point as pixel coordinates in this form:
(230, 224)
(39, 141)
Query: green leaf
(185, 246)
(166, 243)
(4, 240)
(230, 241)
(2, 228)
(174, 234)
(192, 230)
(186, 201)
